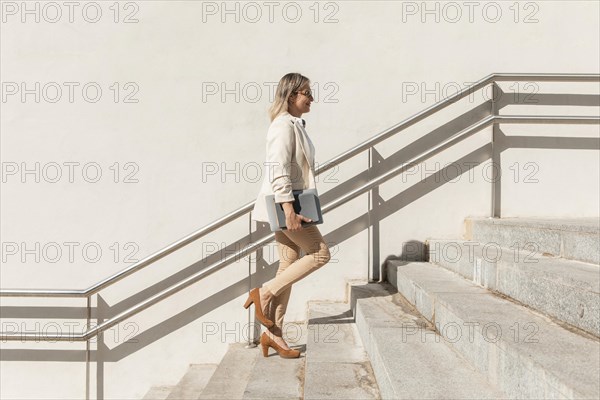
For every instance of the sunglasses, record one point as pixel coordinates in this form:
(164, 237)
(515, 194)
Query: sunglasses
(307, 93)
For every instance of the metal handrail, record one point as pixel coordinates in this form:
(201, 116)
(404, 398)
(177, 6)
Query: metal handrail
(519, 119)
(511, 119)
(449, 100)
(544, 77)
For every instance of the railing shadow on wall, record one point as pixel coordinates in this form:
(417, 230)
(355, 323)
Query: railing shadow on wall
(377, 211)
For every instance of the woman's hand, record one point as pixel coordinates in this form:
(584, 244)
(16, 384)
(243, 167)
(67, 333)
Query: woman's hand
(293, 221)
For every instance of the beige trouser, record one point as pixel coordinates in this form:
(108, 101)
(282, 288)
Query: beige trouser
(292, 268)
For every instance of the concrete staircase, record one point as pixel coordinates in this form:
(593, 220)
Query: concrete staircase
(333, 364)
(525, 313)
(510, 311)
(410, 359)
(189, 387)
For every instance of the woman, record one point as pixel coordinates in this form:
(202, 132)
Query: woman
(290, 162)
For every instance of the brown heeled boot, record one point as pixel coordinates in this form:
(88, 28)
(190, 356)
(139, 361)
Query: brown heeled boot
(254, 297)
(266, 342)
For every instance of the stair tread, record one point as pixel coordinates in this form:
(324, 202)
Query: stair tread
(232, 375)
(337, 366)
(572, 238)
(193, 382)
(274, 377)
(564, 354)
(158, 393)
(580, 272)
(578, 224)
(409, 360)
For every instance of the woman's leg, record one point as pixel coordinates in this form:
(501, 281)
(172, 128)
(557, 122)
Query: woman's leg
(289, 252)
(317, 254)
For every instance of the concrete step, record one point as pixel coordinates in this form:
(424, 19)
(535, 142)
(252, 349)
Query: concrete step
(564, 289)
(409, 359)
(571, 238)
(244, 373)
(193, 382)
(158, 393)
(524, 353)
(231, 377)
(274, 377)
(337, 366)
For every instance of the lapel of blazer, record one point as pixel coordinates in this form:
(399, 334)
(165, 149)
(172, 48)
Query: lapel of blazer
(305, 143)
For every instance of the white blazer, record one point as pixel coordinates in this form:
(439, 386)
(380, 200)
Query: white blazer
(289, 165)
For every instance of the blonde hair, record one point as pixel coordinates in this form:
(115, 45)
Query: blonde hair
(287, 85)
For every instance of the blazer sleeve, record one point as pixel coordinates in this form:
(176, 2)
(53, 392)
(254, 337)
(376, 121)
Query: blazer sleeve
(280, 145)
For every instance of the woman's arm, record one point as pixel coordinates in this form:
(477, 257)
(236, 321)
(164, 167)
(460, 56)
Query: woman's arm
(280, 144)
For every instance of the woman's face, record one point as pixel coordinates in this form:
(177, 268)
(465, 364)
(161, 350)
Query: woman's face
(300, 101)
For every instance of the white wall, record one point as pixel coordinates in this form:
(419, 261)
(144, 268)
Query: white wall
(364, 59)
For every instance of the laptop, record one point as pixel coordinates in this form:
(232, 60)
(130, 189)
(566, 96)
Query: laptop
(306, 202)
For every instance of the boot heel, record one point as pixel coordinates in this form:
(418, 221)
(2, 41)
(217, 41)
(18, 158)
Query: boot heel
(264, 340)
(248, 302)
(254, 297)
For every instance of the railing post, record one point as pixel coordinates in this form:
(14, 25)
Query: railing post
(372, 225)
(496, 189)
(251, 329)
(88, 347)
